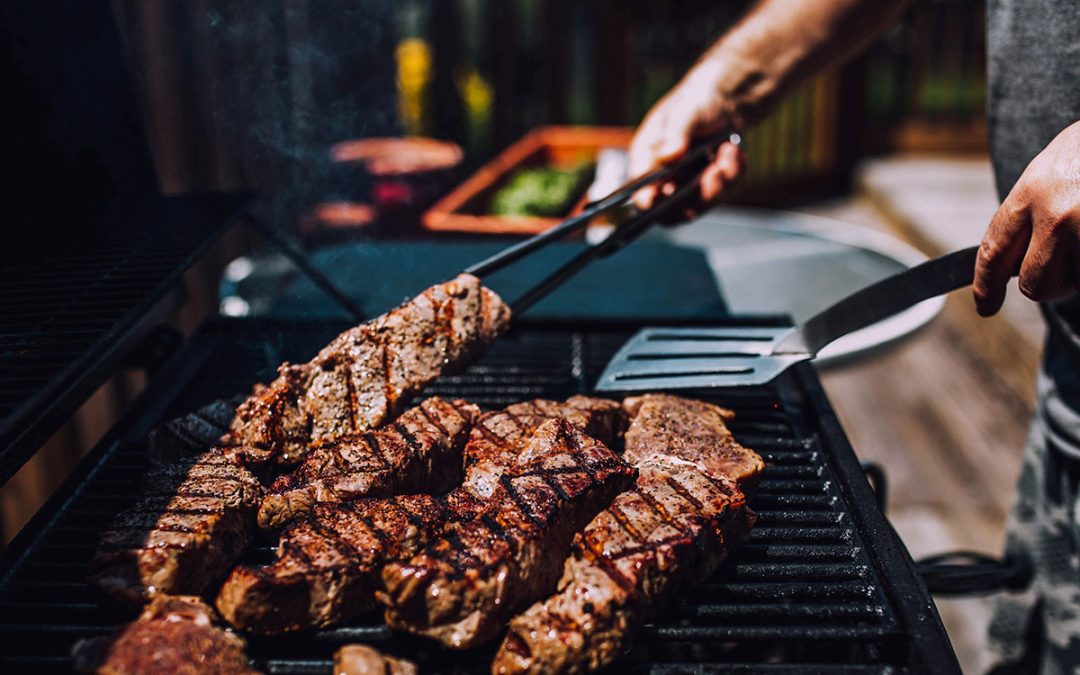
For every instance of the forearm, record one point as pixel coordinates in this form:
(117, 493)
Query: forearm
(780, 43)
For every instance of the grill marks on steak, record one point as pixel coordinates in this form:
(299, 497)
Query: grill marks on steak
(419, 452)
(669, 427)
(498, 437)
(174, 634)
(366, 375)
(672, 530)
(192, 522)
(193, 433)
(462, 588)
(327, 566)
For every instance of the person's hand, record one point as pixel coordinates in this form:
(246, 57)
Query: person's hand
(692, 110)
(1038, 224)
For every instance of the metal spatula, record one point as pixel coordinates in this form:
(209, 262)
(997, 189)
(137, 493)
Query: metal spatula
(684, 358)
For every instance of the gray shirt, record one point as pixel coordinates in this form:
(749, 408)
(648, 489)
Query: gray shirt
(1034, 93)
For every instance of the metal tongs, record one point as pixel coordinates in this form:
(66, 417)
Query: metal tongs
(687, 168)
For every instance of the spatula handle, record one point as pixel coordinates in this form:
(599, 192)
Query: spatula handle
(881, 300)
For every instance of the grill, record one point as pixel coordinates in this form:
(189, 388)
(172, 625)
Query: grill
(68, 321)
(823, 584)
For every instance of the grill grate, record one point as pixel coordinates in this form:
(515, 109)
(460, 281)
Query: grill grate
(822, 583)
(67, 320)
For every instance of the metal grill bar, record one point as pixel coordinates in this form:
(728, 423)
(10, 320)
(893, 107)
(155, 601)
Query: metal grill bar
(822, 583)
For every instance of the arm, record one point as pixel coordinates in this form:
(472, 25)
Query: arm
(1036, 228)
(777, 45)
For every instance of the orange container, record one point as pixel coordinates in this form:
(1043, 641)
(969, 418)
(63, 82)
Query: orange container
(465, 208)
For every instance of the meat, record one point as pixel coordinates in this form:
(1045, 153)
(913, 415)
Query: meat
(193, 433)
(174, 634)
(365, 660)
(671, 531)
(462, 588)
(498, 436)
(327, 566)
(419, 452)
(666, 426)
(328, 563)
(367, 374)
(193, 520)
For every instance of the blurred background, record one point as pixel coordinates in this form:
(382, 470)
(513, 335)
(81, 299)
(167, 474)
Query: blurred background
(277, 97)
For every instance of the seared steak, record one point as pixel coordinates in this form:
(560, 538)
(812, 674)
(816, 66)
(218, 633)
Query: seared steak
(368, 373)
(462, 588)
(327, 566)
(671, 531)
(174, 634)
(193, 433)
(419, 452)
(193, 520)
(365, 660)
(667, 426)
(498, 436)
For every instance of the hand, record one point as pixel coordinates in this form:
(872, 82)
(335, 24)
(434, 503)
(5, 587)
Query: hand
(1039, 224)
(692, 110)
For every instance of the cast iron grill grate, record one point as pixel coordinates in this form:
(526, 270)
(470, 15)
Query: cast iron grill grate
(67, 320)
(822, 584)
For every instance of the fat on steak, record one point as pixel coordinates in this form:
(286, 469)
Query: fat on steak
(366, 375)
(174, 634)
(420, 452)
(671, 531)
(462, 588)
(193, 520)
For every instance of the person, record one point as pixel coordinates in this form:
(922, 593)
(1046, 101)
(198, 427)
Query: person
(1034, 105)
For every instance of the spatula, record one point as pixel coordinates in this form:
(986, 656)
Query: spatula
(685, 358)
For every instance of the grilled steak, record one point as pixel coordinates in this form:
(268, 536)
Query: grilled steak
(368, 373)
(193, 520)
(462, 588)
(667, 426)
(419, 452)
(174, 634)
(498, 437)
(672, 530)
(193, 433)
(327, 566)
(365, 660)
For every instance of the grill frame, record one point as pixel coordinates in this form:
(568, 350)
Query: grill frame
(910, 638)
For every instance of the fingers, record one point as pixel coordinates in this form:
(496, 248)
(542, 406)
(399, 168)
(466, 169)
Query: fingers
(722, 173)
(663, 137)
(1046, 273)
(1002, 248)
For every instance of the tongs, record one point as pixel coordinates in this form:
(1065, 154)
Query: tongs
(686, 169)
(691, 358)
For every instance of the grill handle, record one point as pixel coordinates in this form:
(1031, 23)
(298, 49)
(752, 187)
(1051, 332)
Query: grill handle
(963, 573)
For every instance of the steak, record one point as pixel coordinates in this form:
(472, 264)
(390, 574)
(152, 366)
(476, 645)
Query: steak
(365, 660)
(462, 588)
(327, 564)
(193, 520)
(174, 634)
(666, 427)
(671, 531)
(498, 436)
(419, 452)
(193, 433)
(366, 375)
